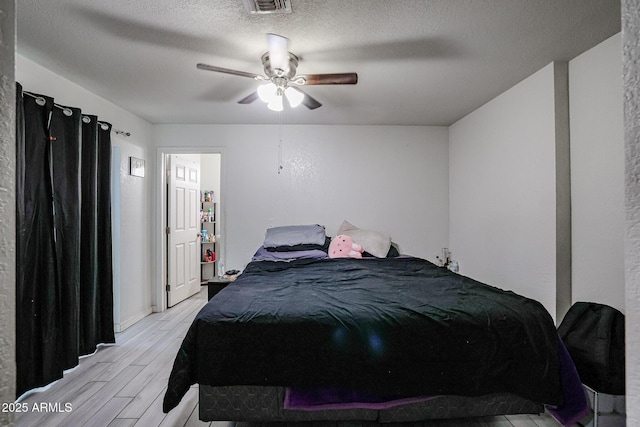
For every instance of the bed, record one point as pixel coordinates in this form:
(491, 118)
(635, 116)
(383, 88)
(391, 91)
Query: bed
(390, 339)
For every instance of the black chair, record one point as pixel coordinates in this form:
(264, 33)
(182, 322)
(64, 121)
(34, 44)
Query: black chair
(594, 336)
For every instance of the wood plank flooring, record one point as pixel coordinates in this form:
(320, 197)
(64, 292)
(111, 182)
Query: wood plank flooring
(124, 384)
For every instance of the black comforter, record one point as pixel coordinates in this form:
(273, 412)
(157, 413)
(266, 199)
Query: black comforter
(393, 327)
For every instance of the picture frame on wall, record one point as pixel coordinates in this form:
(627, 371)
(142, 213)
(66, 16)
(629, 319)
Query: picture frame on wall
(136, 167)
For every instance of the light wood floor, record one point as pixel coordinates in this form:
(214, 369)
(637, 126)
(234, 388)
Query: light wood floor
(124, 384)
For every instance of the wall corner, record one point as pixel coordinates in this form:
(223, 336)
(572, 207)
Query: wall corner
(563, 188)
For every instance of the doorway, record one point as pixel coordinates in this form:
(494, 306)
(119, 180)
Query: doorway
(212, 181)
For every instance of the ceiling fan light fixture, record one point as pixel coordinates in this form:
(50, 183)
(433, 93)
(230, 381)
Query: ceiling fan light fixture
(275, 104)
(268, 92)
(294, 96)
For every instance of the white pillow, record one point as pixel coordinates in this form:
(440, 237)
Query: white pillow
(374, 242)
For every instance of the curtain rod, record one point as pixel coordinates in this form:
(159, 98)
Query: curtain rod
(67, 112)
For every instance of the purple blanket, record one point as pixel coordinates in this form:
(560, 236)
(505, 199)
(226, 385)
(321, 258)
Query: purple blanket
(573, 408)
(323, 398)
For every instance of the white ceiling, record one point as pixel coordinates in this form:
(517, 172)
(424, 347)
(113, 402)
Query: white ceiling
(419, 62)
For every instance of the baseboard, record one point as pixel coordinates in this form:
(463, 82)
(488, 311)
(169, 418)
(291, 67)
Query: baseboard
(134, 319)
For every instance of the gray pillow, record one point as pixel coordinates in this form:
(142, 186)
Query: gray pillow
(374, 242)
(292, 235)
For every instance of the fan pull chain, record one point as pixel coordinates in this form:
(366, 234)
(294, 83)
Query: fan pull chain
(280, 167)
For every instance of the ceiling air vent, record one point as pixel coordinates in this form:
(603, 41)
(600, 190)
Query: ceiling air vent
(267, 6)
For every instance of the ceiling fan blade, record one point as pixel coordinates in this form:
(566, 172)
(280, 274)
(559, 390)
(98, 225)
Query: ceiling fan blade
(278, 52)
(249, 98)
(330, 79)
(309, 101)
(228, 71)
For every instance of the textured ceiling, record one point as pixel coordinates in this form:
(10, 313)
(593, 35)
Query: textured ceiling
(419, 62)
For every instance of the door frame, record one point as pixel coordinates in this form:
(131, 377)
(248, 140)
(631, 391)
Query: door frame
(159, 238)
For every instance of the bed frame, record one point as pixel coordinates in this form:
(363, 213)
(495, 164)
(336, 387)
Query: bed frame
(266, 404)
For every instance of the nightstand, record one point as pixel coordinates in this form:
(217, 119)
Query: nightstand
(216, 285)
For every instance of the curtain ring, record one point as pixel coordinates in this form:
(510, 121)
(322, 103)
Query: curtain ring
(41, 101)
(67, 112)
(86, 119)
(104, 126)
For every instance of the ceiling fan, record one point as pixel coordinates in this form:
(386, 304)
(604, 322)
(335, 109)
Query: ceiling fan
(280, 68)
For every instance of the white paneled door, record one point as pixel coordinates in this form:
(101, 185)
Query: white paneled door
(183, 219)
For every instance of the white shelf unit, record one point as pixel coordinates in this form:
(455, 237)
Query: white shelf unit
(208, 270)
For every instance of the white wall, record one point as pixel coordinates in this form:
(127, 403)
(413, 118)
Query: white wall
(502, 190)
(597, 174)
(386, 178)
(135, 261)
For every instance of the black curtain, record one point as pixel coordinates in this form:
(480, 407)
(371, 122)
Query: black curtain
(89, 239)
(64, 279)
(64, 130)
(38, 344)
(96, 310)
(104, 308)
